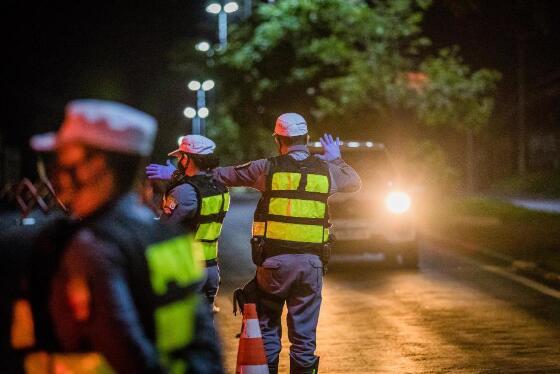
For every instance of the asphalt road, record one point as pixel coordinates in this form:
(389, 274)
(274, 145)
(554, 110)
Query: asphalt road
(454, 314)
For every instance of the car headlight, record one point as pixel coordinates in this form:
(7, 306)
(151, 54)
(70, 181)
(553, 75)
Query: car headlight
(397, 202)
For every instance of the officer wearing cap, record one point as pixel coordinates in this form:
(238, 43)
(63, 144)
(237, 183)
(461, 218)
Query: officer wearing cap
(197, 200)
(290, 229)
(113, 287)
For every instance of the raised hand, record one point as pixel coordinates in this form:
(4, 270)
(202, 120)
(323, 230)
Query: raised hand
(160, 172)
(331, 148)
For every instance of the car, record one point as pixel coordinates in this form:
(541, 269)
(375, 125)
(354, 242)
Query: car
(379, 219)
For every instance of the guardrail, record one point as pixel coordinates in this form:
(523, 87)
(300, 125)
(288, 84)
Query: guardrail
(26, 196)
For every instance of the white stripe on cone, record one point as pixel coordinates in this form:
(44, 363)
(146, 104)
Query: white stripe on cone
(252, 329)
(254, 369)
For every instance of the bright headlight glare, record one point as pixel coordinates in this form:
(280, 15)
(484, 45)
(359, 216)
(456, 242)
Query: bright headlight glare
(397, 202)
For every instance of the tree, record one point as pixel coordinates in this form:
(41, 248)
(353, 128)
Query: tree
(347, 62)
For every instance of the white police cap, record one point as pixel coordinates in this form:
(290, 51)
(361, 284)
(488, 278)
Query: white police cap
(195, 144)
(290, 124)
(105, 125)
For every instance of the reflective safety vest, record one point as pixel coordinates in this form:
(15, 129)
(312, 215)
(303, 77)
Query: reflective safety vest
(163, 269)
(213, 204)
(292, 214)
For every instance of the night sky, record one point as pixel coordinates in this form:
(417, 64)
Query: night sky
(57, 51)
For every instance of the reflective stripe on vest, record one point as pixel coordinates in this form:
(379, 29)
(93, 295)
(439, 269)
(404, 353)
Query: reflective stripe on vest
(296, 208)
(258, 230)
(209, 233)
(176, 262)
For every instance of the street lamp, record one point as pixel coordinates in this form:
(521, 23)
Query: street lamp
(222, 12)
(202, 111)
(203, 46)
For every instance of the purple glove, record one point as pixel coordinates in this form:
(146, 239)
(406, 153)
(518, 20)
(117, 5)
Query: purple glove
(331, 147)
(160, 172)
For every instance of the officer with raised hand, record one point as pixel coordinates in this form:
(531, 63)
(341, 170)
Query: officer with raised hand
(290, 233)
(198, 201)
(114, 287)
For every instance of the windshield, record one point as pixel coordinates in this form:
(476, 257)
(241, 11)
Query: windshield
(373, 166)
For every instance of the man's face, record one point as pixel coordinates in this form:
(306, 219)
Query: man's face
(76, 167)
(182, 161)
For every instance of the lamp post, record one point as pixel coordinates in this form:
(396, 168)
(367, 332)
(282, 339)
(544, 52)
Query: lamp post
(222, 12)
(201, 112)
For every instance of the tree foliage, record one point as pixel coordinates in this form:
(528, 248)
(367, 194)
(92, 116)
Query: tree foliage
(347, 66)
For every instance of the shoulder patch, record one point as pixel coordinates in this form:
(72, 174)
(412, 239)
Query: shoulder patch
(243, 166)
(170, 204)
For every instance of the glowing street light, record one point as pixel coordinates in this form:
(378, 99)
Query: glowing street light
(189, 112)
(222, 13)
(203, 112)
(231, 7)
(208, 85)
(194, 85)
(214, 8)
(203, 46)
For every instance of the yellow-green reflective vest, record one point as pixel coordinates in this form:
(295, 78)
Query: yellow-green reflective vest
(292, 214)
(164, 268)
(213, 204)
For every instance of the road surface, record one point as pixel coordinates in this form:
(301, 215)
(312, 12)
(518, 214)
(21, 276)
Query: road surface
(455, 314)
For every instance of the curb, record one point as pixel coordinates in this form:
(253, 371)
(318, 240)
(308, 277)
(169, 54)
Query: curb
(527, 268)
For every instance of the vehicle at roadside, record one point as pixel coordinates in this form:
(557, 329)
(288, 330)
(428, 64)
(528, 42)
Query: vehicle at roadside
(379, 219)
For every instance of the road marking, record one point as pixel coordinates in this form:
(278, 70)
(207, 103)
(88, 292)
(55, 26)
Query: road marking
(523, 280)
(511, 276)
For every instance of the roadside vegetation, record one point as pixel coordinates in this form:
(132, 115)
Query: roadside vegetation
(539, 184)
(491, 224)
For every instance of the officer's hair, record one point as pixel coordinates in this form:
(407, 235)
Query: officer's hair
(125, 167)
(292, 140)
(205, 162)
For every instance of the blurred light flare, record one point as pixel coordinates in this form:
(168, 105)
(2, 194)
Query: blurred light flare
(179, 140)
(398, 202)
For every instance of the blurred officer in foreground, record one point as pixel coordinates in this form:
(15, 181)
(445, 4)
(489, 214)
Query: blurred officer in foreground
(195, 199)
(290, 233)
(113, 284)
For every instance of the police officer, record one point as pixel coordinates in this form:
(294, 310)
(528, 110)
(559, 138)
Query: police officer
(290, 228)
(115, 287)
(195, 199)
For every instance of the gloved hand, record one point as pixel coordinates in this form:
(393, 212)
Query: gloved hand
(160, 172)
(331, 147)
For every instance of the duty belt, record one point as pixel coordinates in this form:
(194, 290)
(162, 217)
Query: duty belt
(271, 252)
(210, 263)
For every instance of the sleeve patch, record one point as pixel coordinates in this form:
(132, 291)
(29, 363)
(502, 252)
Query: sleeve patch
(170, 205)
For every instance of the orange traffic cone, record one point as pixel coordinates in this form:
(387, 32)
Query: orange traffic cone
(251, 358)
